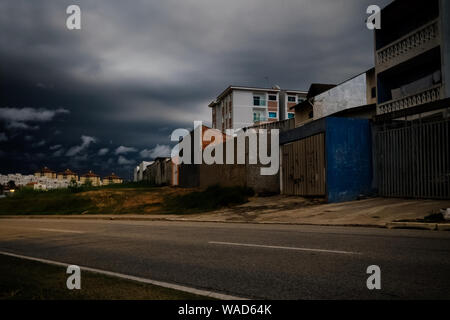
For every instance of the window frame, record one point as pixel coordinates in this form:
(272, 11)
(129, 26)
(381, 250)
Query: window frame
(261, 98)
(289, 97)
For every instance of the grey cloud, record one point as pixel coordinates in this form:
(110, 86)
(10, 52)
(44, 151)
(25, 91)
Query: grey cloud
(138, 68)
(103, 151)
(56, 146)
(86, 141)
(124, 161)
(124, 150)
(158, 151)
(29, 114)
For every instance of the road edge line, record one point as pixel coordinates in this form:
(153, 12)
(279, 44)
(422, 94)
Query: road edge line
(200, 292)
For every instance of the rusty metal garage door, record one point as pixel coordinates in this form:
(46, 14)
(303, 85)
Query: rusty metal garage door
(304, 167)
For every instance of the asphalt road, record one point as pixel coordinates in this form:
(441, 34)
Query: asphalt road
(246, 260)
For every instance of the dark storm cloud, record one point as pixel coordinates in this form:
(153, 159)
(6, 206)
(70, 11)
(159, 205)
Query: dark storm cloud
(139, 69)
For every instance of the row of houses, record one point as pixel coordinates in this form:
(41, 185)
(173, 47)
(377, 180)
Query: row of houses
(382, 132)
(47, 179)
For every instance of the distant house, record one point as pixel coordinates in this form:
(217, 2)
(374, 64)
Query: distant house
(92, 177)
(67, 175)
(111, 179)
(46, 172)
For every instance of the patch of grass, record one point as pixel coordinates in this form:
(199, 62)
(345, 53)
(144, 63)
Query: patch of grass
(140, 199)
(30, 280)
(127, 185)
(60, 201)
(212, 198)
(90, 200)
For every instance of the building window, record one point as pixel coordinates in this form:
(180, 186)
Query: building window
(301, 99)
(272, 115)
(291, 116)
(272, 97)
(291, 99)
(259, 100)
(374, 92)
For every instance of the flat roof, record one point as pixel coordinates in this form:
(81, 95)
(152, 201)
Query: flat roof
(231, 88)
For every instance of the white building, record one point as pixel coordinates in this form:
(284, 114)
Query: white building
(40, 183)
(240, 107)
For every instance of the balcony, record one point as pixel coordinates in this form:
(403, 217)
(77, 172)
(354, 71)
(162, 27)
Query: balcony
(432, 94)
(409, 46)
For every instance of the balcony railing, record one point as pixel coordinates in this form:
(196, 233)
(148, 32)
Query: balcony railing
(432, 94)
(410, 45)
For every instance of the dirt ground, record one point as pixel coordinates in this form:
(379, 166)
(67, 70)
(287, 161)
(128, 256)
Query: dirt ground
(282, 209)
(143, 204)
(129, 200)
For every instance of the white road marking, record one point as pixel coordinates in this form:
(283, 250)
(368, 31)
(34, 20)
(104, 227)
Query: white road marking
(199, 292)
(60, 231)
(283, 248)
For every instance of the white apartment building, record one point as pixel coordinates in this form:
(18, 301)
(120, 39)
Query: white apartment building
(240, 107)
(289, 99)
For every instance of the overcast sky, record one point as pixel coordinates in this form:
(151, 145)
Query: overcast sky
(108, 96)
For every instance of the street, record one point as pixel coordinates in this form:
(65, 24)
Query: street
(246, 260)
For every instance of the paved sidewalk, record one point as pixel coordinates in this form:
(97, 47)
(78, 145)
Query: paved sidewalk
(376, 212)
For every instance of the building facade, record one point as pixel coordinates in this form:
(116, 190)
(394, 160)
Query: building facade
(240, 107)
(412, 54)
(46, 172)
(67, 175)
(289, 99)
(111, 179)
(90, 177)
(412, 126)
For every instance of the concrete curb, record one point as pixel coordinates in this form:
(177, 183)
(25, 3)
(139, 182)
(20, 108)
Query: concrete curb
(388, 225)
(125, 218)
(443, 227)
(412, 225)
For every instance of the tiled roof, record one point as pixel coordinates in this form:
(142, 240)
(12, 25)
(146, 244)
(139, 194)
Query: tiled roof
(90, 174)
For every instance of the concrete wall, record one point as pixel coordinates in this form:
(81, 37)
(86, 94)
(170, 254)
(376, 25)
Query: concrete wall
(159, 172)
(228, 175)
(243, 108)
(350, 94)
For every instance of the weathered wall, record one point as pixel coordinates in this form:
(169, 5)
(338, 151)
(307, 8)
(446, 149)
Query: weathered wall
(228, 175)
(159, 172)
(347, 95)
(349, 159)
(444, 7)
